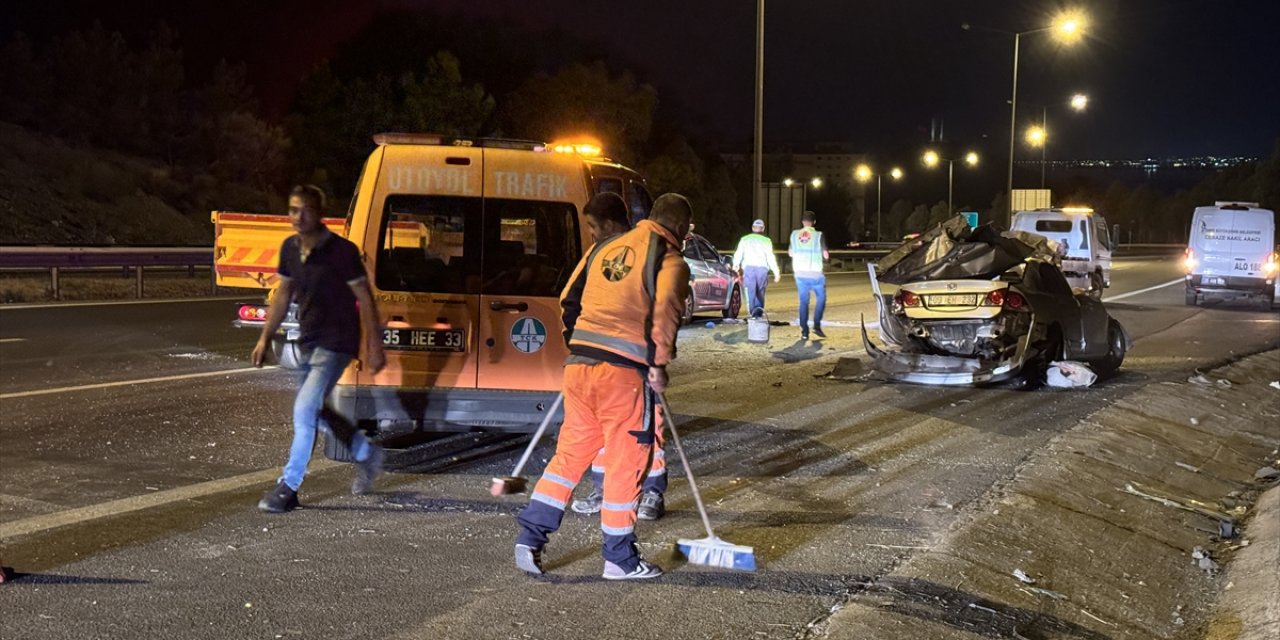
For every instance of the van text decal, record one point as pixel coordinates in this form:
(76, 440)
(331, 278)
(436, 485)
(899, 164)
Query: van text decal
(529, 185)
(430, 180)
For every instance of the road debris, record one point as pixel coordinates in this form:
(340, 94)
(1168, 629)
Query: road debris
(1187, 467)
(1266, 473)
(1200, 557)
(1069, 374)
(1021, 575)
(1188, 504)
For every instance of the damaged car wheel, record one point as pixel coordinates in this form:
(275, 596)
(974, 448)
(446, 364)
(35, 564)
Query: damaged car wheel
(1117, 346)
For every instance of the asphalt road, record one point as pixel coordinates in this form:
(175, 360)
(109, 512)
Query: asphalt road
(130, 507)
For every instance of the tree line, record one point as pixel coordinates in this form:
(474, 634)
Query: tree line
(93, 88)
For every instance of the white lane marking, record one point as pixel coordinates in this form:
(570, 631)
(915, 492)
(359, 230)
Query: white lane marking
(10, 340)
(36, 524)
(1139, 291)
(124, 383)
(116, 303)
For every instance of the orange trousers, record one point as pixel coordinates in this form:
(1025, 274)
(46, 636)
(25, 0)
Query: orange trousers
(605, 406)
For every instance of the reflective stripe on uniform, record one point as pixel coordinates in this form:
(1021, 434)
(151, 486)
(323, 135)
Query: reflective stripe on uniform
(617, 531)
(611, 342)
(620, 506)
(564, 482)
(548, 500)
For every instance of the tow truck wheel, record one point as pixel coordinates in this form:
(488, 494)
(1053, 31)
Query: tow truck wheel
(1096, 284)
(735, 303)
(288, 354)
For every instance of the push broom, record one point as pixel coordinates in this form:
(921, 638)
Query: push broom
(710, 551)
(514, 483)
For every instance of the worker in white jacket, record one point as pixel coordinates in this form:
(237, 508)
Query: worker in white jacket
(754, 259)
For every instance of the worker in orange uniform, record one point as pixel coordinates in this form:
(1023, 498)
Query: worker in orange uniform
(621, 311)
(606, 216)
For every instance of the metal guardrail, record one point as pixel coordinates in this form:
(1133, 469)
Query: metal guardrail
(56, 258)
(135, 259)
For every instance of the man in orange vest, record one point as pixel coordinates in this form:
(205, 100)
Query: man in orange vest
(621, 311)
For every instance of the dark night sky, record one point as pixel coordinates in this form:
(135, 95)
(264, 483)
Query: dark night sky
(1164, 77)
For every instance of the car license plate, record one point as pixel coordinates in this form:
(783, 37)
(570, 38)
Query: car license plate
(424, 340)
(1211, 280)
(954, 300)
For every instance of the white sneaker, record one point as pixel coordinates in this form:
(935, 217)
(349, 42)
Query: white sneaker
(588, 505)
(643, 571)
(529, 559)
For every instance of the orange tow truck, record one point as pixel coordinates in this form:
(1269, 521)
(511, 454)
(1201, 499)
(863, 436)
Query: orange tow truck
(468, 243)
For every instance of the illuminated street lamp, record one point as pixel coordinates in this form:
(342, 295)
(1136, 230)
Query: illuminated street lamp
(864, 174)
(1067, 28)
(931, 160)
(1038, 136)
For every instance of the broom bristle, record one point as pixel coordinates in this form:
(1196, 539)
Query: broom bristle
(714, 552)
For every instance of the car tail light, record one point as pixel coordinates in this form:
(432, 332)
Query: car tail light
(1015, 301)
(908, 299)
(994, 299)
(1189, 260)
(253, 312)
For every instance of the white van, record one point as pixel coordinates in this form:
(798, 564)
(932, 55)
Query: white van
(1084, 238)
(1232, 253)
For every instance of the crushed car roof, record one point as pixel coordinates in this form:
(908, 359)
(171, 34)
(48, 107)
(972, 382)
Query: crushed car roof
(953, 250)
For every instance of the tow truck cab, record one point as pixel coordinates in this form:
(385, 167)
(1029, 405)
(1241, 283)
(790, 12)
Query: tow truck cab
(1084, 240)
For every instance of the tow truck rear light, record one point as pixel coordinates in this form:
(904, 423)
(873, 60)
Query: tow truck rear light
(1272, 265)
(253, 312)
(1189, 260)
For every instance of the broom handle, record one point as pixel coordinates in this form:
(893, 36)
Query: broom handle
(688, 472)
(528, 451)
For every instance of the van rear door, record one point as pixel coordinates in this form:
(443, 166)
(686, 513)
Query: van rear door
(1234, 242)
(529, 246)
(424, 232)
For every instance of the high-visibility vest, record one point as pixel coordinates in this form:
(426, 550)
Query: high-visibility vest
(806, 250)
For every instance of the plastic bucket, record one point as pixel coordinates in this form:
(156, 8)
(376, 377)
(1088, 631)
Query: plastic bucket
(758, 329)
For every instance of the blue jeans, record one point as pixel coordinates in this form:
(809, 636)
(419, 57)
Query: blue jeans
(755, 279)
(818, 286)
(320, 371)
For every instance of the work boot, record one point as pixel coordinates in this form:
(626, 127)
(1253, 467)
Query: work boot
(817, 331)
(529, 559)
(652, 506)
(280, 499)
(589, 504)
(368, 470)
(643, 570)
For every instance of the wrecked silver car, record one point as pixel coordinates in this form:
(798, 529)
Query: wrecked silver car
(981, 305)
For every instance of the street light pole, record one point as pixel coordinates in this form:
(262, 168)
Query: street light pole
(877, 207)
(1044, 144)
(1013, 121)
(951, 166)
(758, 158)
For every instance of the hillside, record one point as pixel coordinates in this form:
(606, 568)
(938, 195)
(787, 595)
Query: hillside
(54, 193)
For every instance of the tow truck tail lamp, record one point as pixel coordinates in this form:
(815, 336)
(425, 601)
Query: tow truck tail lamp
(1272, 265)
(253, 312)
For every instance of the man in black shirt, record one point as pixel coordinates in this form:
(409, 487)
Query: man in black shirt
(322, 273)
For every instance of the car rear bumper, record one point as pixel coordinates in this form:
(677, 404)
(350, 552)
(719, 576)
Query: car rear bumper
(929, 369)
(444, 409)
